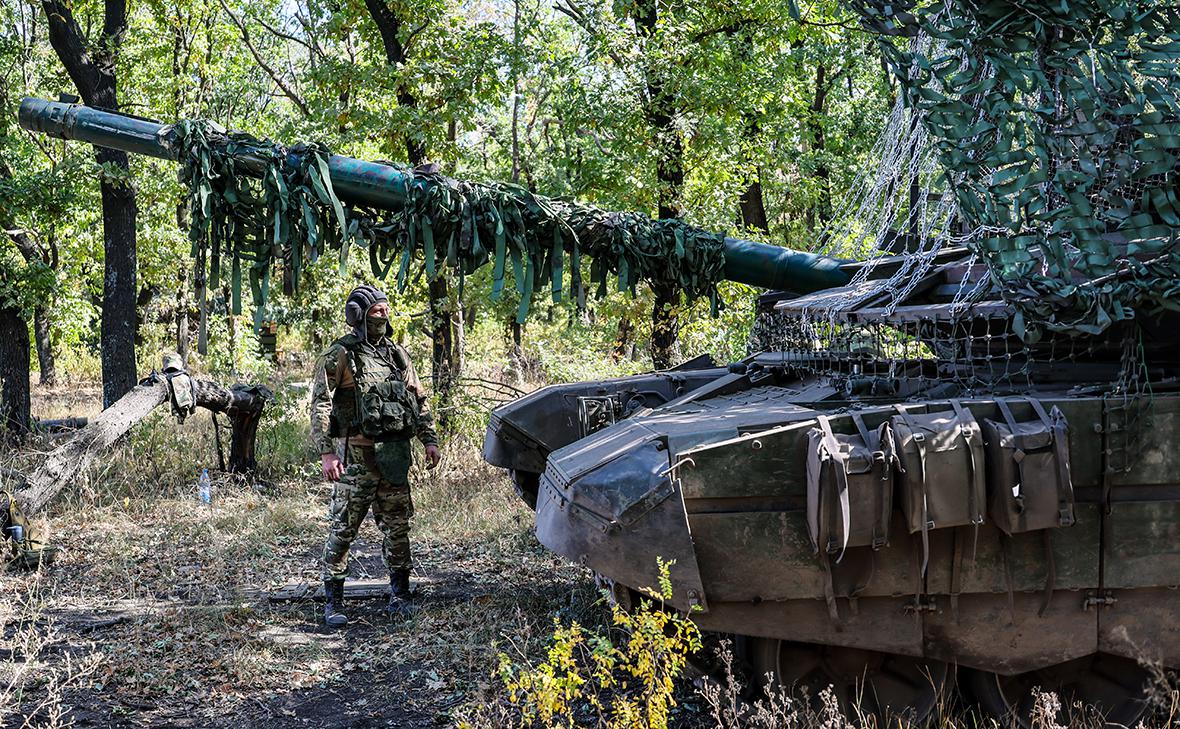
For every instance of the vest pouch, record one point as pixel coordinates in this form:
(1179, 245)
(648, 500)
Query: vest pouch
(849, 487)
(385, 411)
(1028, 470)
(942, 462)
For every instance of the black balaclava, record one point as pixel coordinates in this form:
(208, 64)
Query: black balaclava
(356, 310)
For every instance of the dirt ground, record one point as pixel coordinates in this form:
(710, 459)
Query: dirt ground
(186, 652)
(158, 611)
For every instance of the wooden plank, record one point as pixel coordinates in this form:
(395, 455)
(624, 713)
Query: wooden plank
(353, 590)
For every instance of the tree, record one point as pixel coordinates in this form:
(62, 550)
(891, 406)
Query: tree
(397, 35)
(14, 358)
(91, 66)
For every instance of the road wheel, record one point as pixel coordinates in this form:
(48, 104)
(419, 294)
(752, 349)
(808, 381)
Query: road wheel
(880, 687)
(1094, 687)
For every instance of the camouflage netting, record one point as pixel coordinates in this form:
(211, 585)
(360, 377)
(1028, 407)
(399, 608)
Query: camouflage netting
(1059, 125)
(258, 202)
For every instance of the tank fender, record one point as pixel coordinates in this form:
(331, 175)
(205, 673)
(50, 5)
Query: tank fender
(622, 518)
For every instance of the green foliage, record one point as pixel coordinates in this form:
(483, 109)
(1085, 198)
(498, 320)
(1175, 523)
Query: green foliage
(23, 285)
(588, 679)
(739, 81)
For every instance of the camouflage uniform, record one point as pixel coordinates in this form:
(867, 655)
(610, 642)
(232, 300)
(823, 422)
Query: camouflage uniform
(377, 476)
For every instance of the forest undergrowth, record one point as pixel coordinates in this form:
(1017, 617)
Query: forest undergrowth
(160, 611)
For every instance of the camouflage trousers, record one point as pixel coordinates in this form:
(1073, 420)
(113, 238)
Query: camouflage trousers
(377, 478)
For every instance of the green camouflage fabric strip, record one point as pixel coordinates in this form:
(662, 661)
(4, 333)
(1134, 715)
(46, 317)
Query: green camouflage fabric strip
(292, 213)
(1059, 126)
(376, 479)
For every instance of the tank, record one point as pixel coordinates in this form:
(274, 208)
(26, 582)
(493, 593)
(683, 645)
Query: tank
(714, 482)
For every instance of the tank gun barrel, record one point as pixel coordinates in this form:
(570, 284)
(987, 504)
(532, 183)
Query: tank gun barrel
(383, 186)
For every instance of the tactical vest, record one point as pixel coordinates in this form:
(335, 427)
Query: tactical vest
(378, 405)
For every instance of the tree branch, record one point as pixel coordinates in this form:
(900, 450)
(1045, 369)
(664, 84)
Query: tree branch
(388, 25)
(243, 404)
(67, 39)
(294, 39)
(573, 12)
(412, 35)
(287, 89)
(727, 29)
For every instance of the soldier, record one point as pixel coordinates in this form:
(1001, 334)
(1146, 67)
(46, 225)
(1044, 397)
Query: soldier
(365, 392)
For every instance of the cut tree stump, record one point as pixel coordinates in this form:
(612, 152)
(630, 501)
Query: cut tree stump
(242, 403)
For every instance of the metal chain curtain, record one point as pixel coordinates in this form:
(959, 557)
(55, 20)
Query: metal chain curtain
(291, 213)
(1059, 124)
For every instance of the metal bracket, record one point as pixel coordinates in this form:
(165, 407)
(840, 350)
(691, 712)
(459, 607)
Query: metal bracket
(596, 413)
(1099, 599)
(921, 606)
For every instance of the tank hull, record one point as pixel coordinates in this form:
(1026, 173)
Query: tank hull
(729, 512)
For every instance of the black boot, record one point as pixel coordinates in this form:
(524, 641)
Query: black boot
(334, 604)
(399, 593)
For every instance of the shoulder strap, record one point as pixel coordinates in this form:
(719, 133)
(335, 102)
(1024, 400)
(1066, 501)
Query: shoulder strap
(402, 356)
(840, 464)
(1006, 411)
(1056, 425)
(865, 435)
(344, 360)
(884, 512)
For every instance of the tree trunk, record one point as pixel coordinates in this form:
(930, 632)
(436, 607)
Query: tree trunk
(819, 143)
(659, 107)
(623, 335)
(665, 325)
(91, 65)
(460, 329)
(752, 207)
(45, 360)
(182, 314)
(34, 255)
(118, 288)
(445, 372)
(14, 375)
(243, 404)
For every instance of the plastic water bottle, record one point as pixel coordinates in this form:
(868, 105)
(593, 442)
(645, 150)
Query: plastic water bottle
(205, 487)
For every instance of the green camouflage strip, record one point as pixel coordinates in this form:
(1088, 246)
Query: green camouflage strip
(292, 213)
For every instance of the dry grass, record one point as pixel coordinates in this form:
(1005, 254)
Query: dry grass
(168, 598)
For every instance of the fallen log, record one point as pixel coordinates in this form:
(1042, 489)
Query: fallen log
(242, 403)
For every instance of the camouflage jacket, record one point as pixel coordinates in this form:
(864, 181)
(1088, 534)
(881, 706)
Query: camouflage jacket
(326, 392)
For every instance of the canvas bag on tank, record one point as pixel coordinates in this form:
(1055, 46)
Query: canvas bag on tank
(1028, 470)
(849, 487)
(942, 462)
